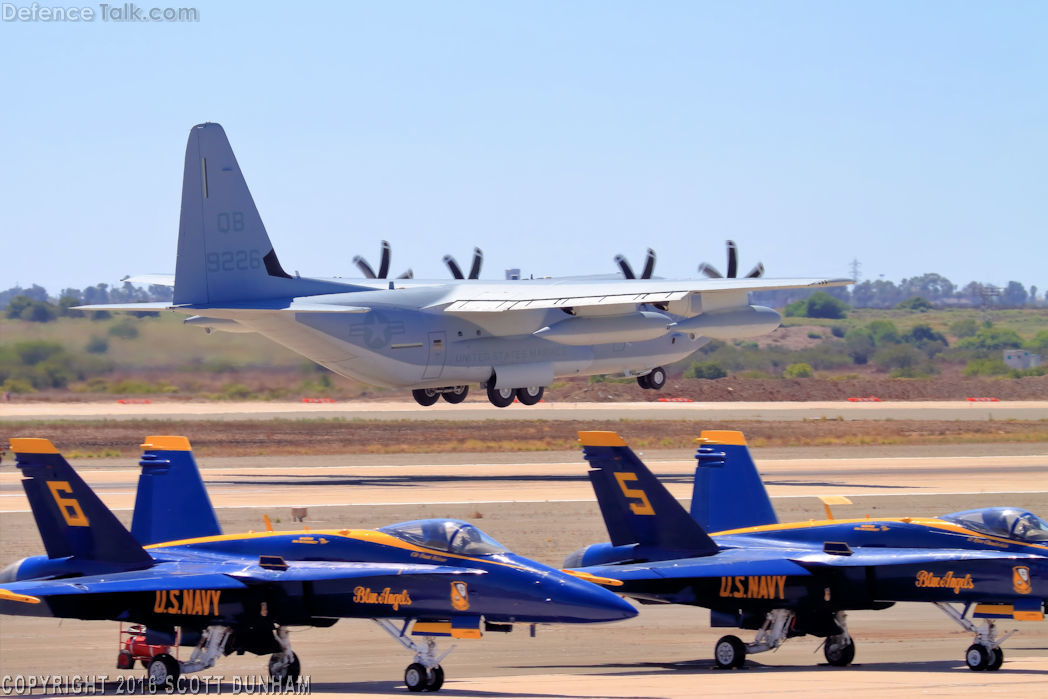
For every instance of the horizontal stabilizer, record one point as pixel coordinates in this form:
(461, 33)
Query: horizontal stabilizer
(161, 578)
(151, 279)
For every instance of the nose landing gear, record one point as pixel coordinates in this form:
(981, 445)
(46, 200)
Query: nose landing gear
(424, 674)
(986, 652)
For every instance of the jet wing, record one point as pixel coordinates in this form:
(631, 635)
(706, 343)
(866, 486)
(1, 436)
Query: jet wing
(134, 581)
(542, 294)
(730, 562)
(298, 571)
(900, 556)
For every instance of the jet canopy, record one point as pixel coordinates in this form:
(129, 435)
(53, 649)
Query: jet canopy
(451, 535)
(1007, 522)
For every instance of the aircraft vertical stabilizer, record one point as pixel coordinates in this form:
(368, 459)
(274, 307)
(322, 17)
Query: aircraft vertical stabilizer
(728, 492)
(171, 502)
(636, 507)
(224, 253)
(71, 519)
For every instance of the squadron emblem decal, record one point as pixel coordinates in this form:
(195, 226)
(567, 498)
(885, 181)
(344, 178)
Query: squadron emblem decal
(1021, 580)
(459, 596)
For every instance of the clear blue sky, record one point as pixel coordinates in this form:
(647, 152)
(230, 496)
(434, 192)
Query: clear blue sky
(912, 136)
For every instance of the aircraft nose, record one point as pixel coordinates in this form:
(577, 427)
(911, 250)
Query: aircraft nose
(582, 601)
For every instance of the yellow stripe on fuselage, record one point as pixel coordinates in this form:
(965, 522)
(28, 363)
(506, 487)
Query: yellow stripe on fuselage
(930, 522)
(367, 535)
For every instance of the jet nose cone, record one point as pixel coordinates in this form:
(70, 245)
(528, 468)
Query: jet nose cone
(583, 601)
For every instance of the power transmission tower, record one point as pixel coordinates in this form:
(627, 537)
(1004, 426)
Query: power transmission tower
(856, 269)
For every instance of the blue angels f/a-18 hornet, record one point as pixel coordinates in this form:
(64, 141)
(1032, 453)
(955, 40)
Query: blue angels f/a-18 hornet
(438, 337)
(186, 583)
(786, 580)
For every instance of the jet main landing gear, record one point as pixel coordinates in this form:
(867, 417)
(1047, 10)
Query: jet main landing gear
(986, 652)
(730, 652)
(424, 674)
(654, 379)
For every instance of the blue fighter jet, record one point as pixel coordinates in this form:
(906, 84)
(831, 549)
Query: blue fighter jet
(786, 580)
(188, 584)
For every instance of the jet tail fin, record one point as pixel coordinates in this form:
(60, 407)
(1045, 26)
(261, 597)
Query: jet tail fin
(71, 519)
(224, 252)
(636, 507)
(728, 492)
(171, 502)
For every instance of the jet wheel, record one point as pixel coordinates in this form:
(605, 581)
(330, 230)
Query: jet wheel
(997, 661)
(500, 397)
(163, 670)
(281, 670)
(530, 395)
(455, 394)
(656, 378)
(416, 677)
(642, 381)
(839, 653)
(425, 396)
(977, 657)
(730, 652)
(435, 679)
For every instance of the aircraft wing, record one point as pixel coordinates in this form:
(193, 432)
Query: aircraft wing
(133, 581)
(900, 556)
(729, 562)
(542, 294)
(151, 279)
(298, 571)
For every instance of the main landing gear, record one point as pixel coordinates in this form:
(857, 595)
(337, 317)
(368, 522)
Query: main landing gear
(730, 652)
(502, 397)
(428, 396)
(163, 670)
(654, 379)
(424, 674)
(986, 652)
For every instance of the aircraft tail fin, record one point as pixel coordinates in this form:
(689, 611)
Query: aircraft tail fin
(636, 507)
(728, 492)
(171, 502)
(224, 252)
(71, 518)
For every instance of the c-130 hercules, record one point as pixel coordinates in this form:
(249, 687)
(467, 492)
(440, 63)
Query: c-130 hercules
(513, 338)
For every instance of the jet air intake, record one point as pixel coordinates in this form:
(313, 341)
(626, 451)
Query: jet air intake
(751, 321)
(596, 330)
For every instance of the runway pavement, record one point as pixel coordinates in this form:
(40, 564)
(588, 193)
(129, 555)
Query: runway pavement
(473, 411)
(545, 509)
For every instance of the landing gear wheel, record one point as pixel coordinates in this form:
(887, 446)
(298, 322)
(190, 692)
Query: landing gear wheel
(656, 378)
(283, 671)
(456, 394)
(500, 397)
(435, 680)
(163, 670)
(642, 381)
(978, 657)
(839, 653)
(416, 677)
(730, 652)
(530, 395)
(425, 396)
(997, 661)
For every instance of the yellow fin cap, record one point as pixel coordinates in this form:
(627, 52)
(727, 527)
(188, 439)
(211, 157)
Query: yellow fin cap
(723, 437)
(167, 443)
(601, 439)
(32, 445)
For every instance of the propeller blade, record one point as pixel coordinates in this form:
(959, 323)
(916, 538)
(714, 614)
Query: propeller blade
(624, 265)
(733, 260)
(456, 271)
(478, 258)
(383, 265)
(710, 271)
(757, 271)
(649, 265)
(364, 267)
(407, 275)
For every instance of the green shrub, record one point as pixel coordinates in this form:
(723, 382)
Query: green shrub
(1039, 342)
(838, 331)
(987, 366)
(812, 335)
(883, 332)
(992, 338)
(17, 386)
(125, 330)
(705, 370)
(964, 328)
(818, 305)
(798, 371)
(899, 357)
(915, 303)
(97, 345)
(235, 391)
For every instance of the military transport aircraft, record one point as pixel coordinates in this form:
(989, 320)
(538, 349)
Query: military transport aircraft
(439, 337)
(786, 580)
(240, 593)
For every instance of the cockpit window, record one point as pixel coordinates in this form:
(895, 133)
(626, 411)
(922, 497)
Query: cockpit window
(1008, 522)
(449, 535)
